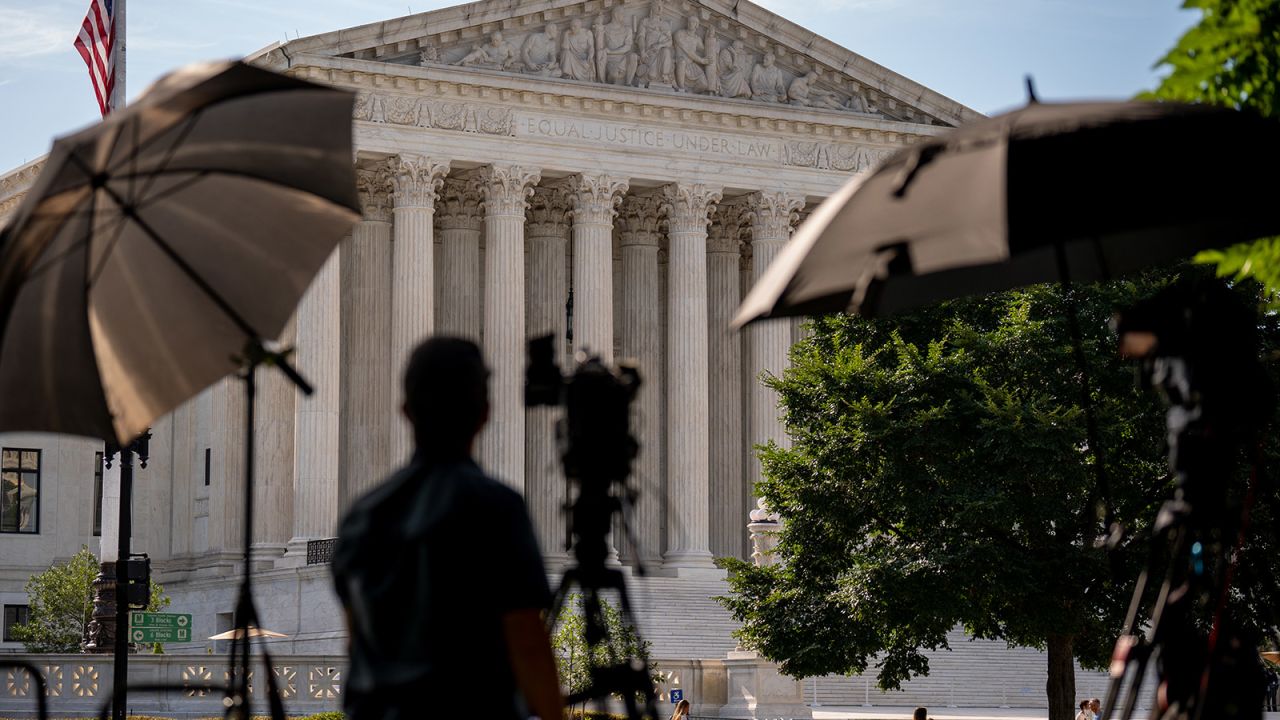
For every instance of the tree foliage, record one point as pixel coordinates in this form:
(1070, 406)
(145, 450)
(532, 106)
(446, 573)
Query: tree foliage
(61, 605)
(575, 660)
(940, 476)
(1231, 58)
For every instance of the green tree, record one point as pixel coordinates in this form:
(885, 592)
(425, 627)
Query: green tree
(940, 476)
(1231, 58)
(61, 605)
(575, 661)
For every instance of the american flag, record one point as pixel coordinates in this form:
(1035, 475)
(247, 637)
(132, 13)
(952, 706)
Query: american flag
(95, 41)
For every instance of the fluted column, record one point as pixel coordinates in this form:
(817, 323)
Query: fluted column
(641, 335)
(366, 338)
(273, 457)
(506, 189)
(594, 199)
(770, 215)
(547, 231)
(415, 185)
(688, 541)
(725, 380)
(459, 219)
(316, 436)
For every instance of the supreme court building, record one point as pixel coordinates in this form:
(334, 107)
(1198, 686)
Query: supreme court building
(615, 173)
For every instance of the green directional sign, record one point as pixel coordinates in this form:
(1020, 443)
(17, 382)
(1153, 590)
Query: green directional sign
(145, 627)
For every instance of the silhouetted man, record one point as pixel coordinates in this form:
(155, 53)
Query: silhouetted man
(920, 714)
(438, 568)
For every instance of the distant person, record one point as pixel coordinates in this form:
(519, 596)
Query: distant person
(1095, 707)
(920, 714)
(682, 711)
(1273, 684)
(438, 569)
(1084, 713)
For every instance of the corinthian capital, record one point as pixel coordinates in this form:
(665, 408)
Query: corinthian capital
(726, 230)
(548, 212)
(416, 180)
(772, 214)
(461, 204)
(639, 221)
(373, 184)
(688, 206)
(507, 188)
(595, 198)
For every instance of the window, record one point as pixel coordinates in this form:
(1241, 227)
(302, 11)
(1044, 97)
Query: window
(19, 490)
(14, 615)
(223, 622)
(208, 456)
(97, 494)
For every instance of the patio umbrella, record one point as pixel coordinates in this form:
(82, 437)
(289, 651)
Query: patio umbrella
(156, 243)
(1050, 192)
(254, 632)
(159, 250)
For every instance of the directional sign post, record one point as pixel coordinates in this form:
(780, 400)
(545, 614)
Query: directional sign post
(145, 627)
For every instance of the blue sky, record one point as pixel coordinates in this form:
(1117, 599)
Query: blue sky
(974, 51)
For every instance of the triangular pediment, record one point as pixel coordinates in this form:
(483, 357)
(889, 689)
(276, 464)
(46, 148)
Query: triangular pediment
(735, 50)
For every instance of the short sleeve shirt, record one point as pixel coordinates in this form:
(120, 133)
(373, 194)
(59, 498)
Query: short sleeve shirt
(426, 565)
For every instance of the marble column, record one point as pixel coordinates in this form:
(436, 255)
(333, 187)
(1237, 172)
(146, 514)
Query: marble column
(366, 409)
(688, 541)
(595, 198)
(547, 233)
(724, 359)
(770, 215)
(506, 189)
(316, 436)
(459, 220)
(273, 457)
(415, 184)
(641, 336)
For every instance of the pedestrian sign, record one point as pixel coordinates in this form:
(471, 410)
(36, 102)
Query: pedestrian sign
(145, 627)
(676, 695)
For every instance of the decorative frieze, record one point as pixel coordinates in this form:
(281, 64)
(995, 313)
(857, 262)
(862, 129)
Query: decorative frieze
(439, 114)
(833, 156)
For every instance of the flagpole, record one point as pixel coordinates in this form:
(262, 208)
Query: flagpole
(118, 49)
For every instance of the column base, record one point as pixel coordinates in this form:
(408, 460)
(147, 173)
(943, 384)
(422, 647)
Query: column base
(757, 690)
(699, 563)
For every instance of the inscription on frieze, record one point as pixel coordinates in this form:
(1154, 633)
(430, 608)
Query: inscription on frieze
(649, 137)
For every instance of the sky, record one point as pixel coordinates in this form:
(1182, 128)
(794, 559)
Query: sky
(976, 52)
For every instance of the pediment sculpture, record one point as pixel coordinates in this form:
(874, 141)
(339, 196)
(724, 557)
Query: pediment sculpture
(647, 48)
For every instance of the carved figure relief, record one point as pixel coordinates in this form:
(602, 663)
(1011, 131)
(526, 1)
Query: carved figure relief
(802, 92)
(690, 60)
(444, 115)
(619, 59)
(767, 82)
(833, 156)
(636, 48)
(655, 67)
(578, 53)
(735, 71)
(541, 51)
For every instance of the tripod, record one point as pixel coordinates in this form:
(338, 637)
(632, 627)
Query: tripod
(597, 454)
(1200, 352)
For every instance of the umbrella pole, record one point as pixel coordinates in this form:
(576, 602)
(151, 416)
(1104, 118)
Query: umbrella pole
(246, 614)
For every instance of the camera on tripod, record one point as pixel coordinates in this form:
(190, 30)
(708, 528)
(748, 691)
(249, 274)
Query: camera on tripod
(597, 449)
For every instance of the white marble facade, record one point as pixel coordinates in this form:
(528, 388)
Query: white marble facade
(614, 173)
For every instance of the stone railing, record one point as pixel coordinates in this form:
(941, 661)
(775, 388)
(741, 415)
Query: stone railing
(79, 684)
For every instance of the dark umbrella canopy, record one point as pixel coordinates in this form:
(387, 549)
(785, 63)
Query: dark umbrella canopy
(156, 243)
(1080, 191)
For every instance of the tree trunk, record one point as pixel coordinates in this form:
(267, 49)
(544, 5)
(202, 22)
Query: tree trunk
(1061, 687)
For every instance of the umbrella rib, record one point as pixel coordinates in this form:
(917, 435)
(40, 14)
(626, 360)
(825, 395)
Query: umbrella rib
(164, 164)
